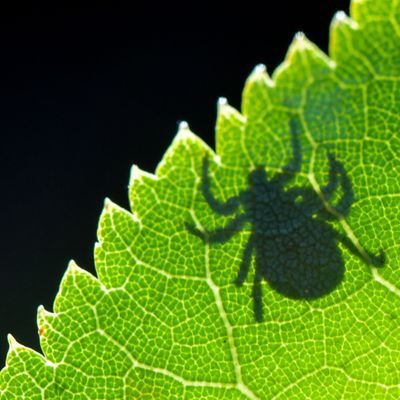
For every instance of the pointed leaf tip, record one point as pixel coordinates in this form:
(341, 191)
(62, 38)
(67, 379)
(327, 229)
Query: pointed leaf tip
(222, 101)
(184, 131)
(72, 265)
(107, 203)
(42, 316)
(342, 18)
(225, 110)
(259, 73)
(300, 42)
(300, 36)
(12, 342)
(108, 206)
(260, 69)
(183, 125)
(43, 312)
(222, 104)
(137, 174)
(73, 268)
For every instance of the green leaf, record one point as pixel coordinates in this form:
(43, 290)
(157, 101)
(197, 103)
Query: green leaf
(266, 270)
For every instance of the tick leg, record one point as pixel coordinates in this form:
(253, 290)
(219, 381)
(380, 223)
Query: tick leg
(245, 263)
(257, 298)
(372, 259)
(329, 189)
(336, 168)
(219, 235)
(294, 164)
(347, 198)
(221, 208)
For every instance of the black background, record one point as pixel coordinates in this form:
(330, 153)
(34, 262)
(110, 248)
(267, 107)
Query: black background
(85, 93)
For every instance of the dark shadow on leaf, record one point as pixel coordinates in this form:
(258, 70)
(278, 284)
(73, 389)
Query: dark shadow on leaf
(295, 248)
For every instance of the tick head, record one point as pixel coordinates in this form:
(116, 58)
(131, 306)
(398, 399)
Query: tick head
(258, 175)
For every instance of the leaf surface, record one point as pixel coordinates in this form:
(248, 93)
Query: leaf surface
(265, 270)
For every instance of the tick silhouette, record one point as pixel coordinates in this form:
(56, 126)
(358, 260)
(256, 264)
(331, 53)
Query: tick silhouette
(294, 245)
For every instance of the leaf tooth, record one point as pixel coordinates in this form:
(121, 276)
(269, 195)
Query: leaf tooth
(341, 18)
(72, 277)
(260, 74)
(301, 44)
(184, 141)
(183, 125)
(138, 174)
(226, 111)
(12, 342)
(230, 124)
(227, 117)
(110, 207)
(109, 210)
(342, 29)
(185, 134)
(72, 265)
(136, 179)
(300, 40)
(43, 313)
(224, 107)
(43, 318)
(222, 101)
(14, 359)
(260, 69)
(303, 61)
(72, 269)
(257, 92)
(14, 346)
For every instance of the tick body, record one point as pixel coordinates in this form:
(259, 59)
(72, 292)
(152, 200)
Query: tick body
(292, 241)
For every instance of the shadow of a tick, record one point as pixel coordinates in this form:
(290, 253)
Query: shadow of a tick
(294, 246)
